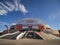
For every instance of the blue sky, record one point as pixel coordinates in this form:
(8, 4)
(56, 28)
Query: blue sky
(46, 10)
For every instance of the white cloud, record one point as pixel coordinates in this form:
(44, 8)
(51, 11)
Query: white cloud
(13, 24)
(16, 5)
(11, 6)
(6, 7)
(22, 8)
(3, 12)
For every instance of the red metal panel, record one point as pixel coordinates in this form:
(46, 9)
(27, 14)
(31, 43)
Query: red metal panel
(41, 27)
(19, 27)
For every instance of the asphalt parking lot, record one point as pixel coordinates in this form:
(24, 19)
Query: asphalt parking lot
(29, 42)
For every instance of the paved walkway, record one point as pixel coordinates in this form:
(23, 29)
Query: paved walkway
(47, 36)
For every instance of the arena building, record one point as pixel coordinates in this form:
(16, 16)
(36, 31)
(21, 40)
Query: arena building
(29, 28)
(30, 23)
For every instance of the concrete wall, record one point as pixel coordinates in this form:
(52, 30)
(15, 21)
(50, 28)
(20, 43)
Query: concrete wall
(55, 32)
